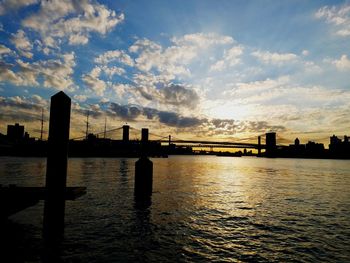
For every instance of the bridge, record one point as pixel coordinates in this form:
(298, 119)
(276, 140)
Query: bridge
(125, 132)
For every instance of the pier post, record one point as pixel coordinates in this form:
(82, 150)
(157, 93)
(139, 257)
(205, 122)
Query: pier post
(143, 171)
(56, 170)
(143, 177)
(259, 145)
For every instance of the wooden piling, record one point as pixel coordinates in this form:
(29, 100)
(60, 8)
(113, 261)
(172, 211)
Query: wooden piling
(143, 178)
(56, 171)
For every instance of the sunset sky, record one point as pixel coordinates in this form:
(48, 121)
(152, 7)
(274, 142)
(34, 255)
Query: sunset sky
(194, 69)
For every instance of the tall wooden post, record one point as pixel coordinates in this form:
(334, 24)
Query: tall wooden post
(259, 145)
(143, 178)
(56, 170)
(143, 171)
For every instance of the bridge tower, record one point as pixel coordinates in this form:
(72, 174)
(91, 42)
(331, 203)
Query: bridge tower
(144, 135)
(126, 133)
(271, 144)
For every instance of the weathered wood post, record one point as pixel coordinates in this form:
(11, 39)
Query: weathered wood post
(56, 170)
(143, 171)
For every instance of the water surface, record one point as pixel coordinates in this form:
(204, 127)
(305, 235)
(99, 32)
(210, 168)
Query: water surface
(203, 208)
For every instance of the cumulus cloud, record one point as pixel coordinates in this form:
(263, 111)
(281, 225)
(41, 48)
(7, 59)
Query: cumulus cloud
(338, 16)
(115, 56)
(22, 43)
(343, 63)
(11, 5)
(72, 20)
(173, 61)
(80, 98)
(4, 50)
(22, 109)
(274, 58)
(111, 71)
(179, 96)
(25, 77)
(229, 127)
(55, 73)
(93, 81)
(231, 57)
(78, 39)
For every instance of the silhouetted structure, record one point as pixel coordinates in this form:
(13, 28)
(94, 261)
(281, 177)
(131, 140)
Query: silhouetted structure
(144, 135)
(15, 132)
(339, 148)
(56, 170)
(126, 133)
(143, 177)
(14, 199)
(143, 172)
(271, 144)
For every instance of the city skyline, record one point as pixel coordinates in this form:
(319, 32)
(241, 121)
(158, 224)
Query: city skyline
(196, 69)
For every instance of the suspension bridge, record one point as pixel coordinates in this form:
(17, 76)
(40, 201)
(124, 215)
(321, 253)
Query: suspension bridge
(128, 133)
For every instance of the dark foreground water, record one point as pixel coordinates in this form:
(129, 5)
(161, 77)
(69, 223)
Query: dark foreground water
(203, 209)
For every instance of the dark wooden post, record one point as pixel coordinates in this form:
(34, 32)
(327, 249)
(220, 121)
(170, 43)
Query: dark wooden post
(143, 177)
(259, 145)
(56, 170)
(143, 171)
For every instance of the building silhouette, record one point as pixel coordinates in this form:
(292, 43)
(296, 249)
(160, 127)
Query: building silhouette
(339, 148)
(15, 132)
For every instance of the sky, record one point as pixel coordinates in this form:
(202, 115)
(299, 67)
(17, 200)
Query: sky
(196, 69)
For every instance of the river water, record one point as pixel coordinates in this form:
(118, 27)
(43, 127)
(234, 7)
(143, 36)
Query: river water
(203, 208)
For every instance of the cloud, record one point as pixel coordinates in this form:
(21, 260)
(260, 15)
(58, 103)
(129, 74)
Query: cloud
(202, 40)
(172, 119)
(22, 109)
(343, 63)
(305, 52)
(12, 5)
(93, 81)
(175, 120)
(274, 58)
(144, 44)
(115, 55)
(229, 127)
(124, 112)
(72, 20)
(22, 43)
(338, 16)
(111, 71)
(80, 98)
(26, 76)
(231, 57)
(4, 50)
(174, 60)
(122, 89)
(282, 91)
(179, 96)
(35, 102)
(55, 73)
(78, 39)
